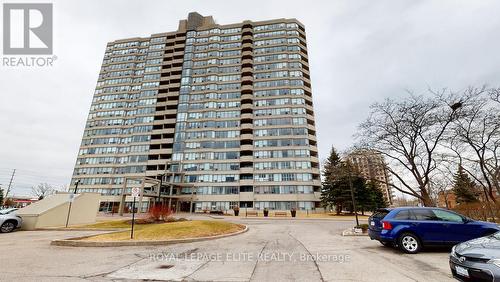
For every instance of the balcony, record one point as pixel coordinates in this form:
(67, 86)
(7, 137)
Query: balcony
(247, 70)
(165, 131)
(246, 106)
(160, 151)
(247, 61)
(246, 97)
(246, 159)
(246, 147)
(246, 136)
(246, 53)
(246, 116)
(247, 126)
(246, 182)
(246, 197)
(246, 170)
(247, 45)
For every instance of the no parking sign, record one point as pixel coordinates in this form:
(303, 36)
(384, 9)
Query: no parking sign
(136, 191)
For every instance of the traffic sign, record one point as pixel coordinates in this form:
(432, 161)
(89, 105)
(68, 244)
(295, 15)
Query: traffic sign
(136, 191)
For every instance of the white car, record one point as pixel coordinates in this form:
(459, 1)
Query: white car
(9, 221)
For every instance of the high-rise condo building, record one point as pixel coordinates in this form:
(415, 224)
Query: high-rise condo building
(371, 165)
(206, 117)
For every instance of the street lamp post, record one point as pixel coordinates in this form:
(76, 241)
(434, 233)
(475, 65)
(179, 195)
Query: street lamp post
(76, 185)
(72, 196)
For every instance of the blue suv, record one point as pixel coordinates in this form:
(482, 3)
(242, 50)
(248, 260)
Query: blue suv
(411, 228)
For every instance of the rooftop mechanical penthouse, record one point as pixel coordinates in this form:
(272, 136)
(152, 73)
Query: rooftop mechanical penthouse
(207, 117)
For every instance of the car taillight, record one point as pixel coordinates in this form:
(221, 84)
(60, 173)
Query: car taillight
(386, 225)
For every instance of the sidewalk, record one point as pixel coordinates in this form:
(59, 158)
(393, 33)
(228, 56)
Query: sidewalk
(300, 216)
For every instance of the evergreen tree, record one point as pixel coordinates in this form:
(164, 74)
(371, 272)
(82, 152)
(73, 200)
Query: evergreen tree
(337, 179)
(331, 165)
(378, 200)
(335, 190)
(362, 194)
(1, 197)
(464, 187)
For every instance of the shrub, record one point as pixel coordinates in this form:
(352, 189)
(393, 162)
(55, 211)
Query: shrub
(173, 219)
(159, 212)
(170, 219)
(479, 210)
(165, 212)
(142, 221)
(363, 226)
(155, 212)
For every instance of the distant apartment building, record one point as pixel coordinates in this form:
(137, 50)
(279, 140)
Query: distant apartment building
(205, 117)
(371, 165)
(446, 199)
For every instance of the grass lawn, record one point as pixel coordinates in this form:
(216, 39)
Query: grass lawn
(165, 231)
(107, 224)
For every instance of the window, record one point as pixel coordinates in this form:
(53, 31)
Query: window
(403, 215)
(424, 214)
(448, 216)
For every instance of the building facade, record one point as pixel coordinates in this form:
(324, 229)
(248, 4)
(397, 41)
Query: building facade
(220, 114)
(371, 165)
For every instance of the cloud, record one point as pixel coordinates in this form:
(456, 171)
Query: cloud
(359, 51)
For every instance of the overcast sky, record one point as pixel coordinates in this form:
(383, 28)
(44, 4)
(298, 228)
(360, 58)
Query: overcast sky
(359, 52)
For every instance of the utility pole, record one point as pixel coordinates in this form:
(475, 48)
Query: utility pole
(10, 183)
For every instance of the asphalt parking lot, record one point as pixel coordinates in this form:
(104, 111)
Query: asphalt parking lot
(272, 250)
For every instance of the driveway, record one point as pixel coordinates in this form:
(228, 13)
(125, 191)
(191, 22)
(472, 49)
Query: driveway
(272, 250)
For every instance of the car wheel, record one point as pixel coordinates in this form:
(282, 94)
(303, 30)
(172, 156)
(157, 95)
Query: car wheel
(7, 227)
(409, 243)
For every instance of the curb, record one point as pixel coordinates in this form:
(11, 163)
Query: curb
(350, 232)
(242, 216)
(74, 242)
(291, 218)
(217, 217)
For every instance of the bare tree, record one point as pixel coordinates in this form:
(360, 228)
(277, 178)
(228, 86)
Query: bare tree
(475, 138)
(410, 132)
(495, 94)
(441, 183)
(42, 190)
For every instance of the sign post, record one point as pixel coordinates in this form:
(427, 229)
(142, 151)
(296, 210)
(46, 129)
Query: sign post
(135, 193)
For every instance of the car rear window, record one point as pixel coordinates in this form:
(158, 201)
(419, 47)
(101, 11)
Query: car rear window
(379, 214)
(403, 215)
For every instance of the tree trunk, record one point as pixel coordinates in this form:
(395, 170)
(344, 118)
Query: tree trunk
(492, 195)
(426, 199)
(338, 209)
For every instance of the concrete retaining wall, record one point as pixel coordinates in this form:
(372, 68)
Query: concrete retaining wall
(52, 211)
